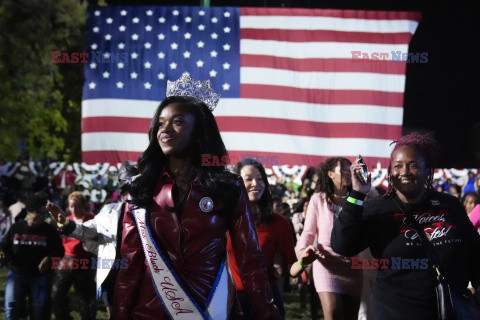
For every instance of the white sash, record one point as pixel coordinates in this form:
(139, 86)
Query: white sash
(174, 297)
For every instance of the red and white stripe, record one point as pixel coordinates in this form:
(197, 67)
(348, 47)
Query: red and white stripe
(303, 97)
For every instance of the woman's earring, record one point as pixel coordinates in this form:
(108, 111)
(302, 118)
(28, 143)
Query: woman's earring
(389, 178)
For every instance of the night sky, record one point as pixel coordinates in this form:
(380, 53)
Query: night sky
(440, 95)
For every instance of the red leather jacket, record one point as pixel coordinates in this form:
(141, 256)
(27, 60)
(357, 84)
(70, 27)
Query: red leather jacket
(196, 244)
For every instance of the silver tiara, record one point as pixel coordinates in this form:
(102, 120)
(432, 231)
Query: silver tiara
(186, 86)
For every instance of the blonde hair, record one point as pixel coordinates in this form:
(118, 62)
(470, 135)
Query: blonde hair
(78, 196)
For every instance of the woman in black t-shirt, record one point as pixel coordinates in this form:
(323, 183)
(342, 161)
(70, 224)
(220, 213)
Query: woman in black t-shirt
(405, 281)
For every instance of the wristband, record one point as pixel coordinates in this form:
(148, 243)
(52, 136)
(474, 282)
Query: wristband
(355, 201)
(299, 264)
(61, 225)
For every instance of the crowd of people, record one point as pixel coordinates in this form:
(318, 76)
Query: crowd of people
(161, 236)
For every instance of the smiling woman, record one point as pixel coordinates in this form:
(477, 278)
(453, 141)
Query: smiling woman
(387, 225)
(178, 218)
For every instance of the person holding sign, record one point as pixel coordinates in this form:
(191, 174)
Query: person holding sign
(174, 230)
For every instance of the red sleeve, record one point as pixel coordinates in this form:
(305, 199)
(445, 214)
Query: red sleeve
(129, 279)
(285, 240)
(250, 259)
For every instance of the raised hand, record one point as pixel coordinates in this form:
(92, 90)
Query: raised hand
(356, 184)
(56, 212)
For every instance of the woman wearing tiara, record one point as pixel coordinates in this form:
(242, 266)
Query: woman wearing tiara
(174, 230)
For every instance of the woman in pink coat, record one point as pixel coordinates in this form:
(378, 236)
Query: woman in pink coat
(338, 285)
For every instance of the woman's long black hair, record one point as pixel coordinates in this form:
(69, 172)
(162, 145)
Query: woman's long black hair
(324, 183)
(215, 180)
(265, 203)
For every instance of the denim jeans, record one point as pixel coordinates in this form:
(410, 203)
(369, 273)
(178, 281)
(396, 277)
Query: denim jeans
(37, 288)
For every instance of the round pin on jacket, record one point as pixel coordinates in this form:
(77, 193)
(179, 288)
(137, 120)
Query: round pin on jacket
(206, 204)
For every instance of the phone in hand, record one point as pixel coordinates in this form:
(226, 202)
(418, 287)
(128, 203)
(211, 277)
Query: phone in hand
(362, 174)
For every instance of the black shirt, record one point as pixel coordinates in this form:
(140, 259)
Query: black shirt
(380, 225)
(25, 246)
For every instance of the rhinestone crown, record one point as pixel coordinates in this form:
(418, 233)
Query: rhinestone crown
(186, 86)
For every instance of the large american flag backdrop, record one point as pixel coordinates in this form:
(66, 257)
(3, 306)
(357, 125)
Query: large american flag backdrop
(290, 88)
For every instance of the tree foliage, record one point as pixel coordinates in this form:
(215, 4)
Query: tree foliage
(40, 100)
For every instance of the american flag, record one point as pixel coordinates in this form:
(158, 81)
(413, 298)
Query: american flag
(290, 88)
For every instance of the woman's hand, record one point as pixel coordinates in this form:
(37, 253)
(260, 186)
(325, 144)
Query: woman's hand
(356, 184)
(310, 254)
(56, 212)
(307, 256)
(44, 265)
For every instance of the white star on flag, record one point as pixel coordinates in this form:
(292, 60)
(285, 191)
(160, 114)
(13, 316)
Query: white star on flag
(175, 28)
(96, 29)
(122, 28)
(214, 20)
(135, 36)
(106, 55)
(201, 13)
(226, 86)
(173, 65)
(226, 47)
(147, 65)
(175, 12)
(148, 28)
(201, 27)
(213, 73)
(92, 85)
(226, 65)
(120, 65)
(161, 36)
(93, 65)
(123, 12)
(97, 13)
(121, 45)
(161, 76)
(108, 37)
(109, 20)
(186, 54)
(133, 75)
(135, 20)
(200, 44)
(214, 35)
(134, 55)
(148, 45)
(147, 85)
(226, 14)
(149, 12)
(161, 55)
(174, 46)
(120, 85)
(187, 35)
(161, 20)
(199, 63)
(213, 54)
(106, 74)
(94, 46)
(226, 29)
(188, 19)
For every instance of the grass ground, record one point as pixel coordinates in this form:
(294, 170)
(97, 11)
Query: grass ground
(291, 299)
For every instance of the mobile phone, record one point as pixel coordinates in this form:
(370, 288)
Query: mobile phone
(362, 174)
